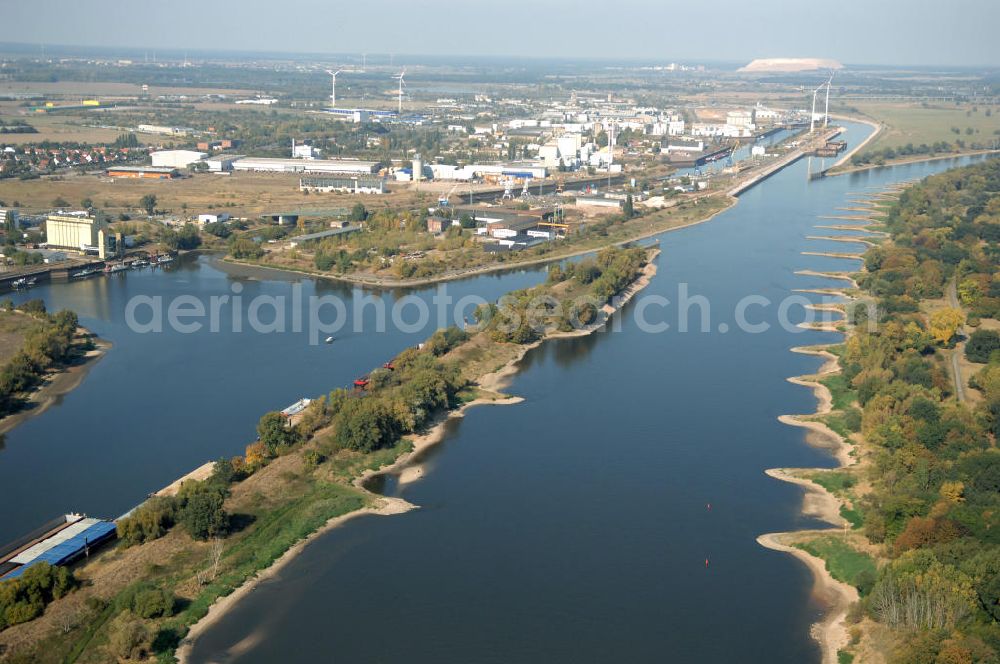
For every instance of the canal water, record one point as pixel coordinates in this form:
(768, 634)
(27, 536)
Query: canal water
(160, 404)
(612, 516)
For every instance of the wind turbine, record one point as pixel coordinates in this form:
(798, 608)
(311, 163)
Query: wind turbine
(400, 77)
(333, 92)
(826, 115)
(812, 114)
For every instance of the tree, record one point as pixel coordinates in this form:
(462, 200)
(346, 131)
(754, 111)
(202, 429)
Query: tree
(255, 455)
(218, 229)
(944, 324)
(246, 248)
(629, 208)
(981, 344)
(275, 432)
(358, 212)
(148, 203)
(365, 425)
(202, 513)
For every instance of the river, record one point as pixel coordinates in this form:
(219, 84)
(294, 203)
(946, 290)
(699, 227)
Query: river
(612, 516)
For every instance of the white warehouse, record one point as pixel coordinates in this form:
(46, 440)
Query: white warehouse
(176, 158)
(273, 165)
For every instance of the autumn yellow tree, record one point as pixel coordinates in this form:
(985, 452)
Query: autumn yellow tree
(256, 455)
(944, 324)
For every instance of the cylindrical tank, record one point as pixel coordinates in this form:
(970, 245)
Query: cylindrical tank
(418, 168)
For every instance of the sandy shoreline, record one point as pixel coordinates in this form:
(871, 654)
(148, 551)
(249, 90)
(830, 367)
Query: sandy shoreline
(831, 632)
(407, 466)
(817, 502)
(56, 385)
(385, 507)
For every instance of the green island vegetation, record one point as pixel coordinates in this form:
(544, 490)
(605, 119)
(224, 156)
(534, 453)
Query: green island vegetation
(928, 129)
(844, 562)
(394, 244)
(34, 342)
(925, 496)
(177, 554)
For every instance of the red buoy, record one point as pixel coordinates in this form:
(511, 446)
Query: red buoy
(706, 562)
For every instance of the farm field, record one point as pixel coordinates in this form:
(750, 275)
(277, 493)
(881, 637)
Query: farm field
(242, 194)
(911, 123)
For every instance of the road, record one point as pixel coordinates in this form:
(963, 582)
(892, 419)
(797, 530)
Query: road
(956, 370)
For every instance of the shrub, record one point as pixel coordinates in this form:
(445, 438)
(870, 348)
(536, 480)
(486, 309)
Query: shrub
(153, 603)
(128, 637)
(149, 521)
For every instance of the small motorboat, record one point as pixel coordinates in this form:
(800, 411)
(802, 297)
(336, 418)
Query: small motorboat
(329, 340)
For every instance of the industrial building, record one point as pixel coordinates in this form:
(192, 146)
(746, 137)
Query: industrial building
(509, 228)
(213, 218)
(221, 144)
(360, 115)
(524, 170)
(439, 225)
(166, 131)
(8, 215)
(685, 145)
(78, 231)
(278, 165)
(176, 158)
(356, 184)
(60, 542)
(743, 119)
(222, 163)
(143, 172)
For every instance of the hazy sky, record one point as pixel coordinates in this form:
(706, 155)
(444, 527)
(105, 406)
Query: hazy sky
(952, 32)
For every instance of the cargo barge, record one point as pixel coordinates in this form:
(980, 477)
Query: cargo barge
(62, 541)
(707, 157)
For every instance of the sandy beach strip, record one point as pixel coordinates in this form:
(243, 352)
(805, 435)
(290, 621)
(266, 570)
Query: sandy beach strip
(817, 501)
(56, 385)
(831, 632)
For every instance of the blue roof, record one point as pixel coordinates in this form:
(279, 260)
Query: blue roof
(70, 549)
